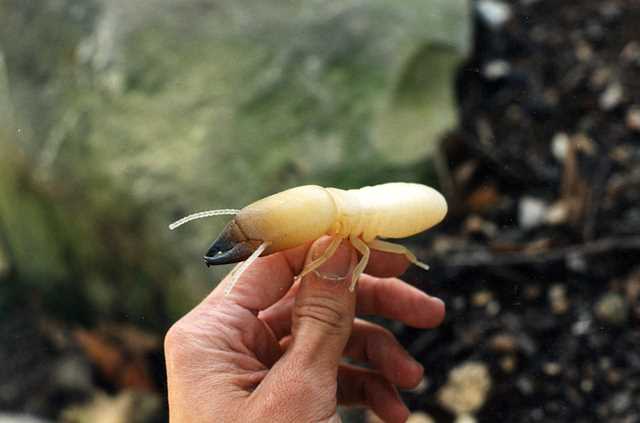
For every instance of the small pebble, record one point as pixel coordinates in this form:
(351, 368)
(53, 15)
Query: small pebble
(465, 418)
(633, 118)
(531, 212)
(576, 262)
(584, 52)
(600, 78)
(558, 299)
(581, 327)
(614, 377)
(503, 342)
(586, 385)
(420, 417)
(621, 402)
(584, 144)
(524, 385)
(560, 146)
(481, 298)
(612, 96)
(532, 292)
(558, 213)
(612, 308)
(496, 69)
(466, 389)
(551, 369)
(632, 287)
(631, 52)
(494, 13)
(493, 308)
(508, 364)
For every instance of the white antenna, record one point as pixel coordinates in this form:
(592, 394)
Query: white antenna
(201, 215)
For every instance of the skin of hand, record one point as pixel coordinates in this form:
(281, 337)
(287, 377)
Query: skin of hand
(273, 349)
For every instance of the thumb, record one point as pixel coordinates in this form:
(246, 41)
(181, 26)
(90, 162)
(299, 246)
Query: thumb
(324, 310)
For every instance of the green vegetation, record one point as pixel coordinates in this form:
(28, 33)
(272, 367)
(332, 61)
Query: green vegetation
(117, 117)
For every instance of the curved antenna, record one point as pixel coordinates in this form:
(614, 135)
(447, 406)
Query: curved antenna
(238, 271)
(201, 215)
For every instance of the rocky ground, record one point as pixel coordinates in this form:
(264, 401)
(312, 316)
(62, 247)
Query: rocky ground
(538, 261)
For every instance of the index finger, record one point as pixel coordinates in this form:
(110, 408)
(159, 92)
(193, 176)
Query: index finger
(269, 278)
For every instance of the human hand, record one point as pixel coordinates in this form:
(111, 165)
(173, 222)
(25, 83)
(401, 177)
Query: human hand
(272, 350)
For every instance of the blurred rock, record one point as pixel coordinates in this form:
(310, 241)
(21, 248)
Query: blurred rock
(481, 298)
(558, 299)
(466, 389)
(551, 368)
(632, 287)
(474, 224)
(631, 52)
(612, 308)
(532, 212)
(465, 418)
(420, 417)
(72, 373)
(508, 363)
(493, 12)
(633, 118)
(125, 407)
(503, 342)
(612, 96)
(483, 198)
(560, 145)
(496, 69)
(557, 213)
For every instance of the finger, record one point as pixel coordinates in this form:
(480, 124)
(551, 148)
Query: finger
(395, 299)
(364, 387)
(386, 265)
(378, 347)
(265, 282)
(270, 277)
(323, 312)
(391, 298)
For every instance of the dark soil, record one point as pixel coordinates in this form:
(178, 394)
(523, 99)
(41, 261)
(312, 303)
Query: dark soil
(548, 301)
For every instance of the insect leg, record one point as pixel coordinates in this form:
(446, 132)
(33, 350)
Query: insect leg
(331, 249)
(389, 247)
(359, 245)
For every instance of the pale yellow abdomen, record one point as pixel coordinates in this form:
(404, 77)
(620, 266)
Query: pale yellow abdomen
(393, 210)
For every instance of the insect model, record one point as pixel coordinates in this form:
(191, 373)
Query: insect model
(303, 214)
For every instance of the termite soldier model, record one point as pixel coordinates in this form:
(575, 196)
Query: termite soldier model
(303, 214)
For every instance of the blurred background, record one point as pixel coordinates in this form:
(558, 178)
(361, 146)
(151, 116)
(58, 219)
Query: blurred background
(118, 117)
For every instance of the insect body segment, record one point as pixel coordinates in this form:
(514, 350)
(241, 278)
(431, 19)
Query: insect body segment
(304, 214)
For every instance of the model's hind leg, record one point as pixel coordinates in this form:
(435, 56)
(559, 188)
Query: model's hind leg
(359, 245)
(389, 247)
(314, 264)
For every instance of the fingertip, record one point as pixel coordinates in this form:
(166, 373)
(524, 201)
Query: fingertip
(415, 374)
(386, 265)
(434, 314)
(386, 402)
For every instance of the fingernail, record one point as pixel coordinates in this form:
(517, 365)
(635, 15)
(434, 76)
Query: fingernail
(338, 266)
